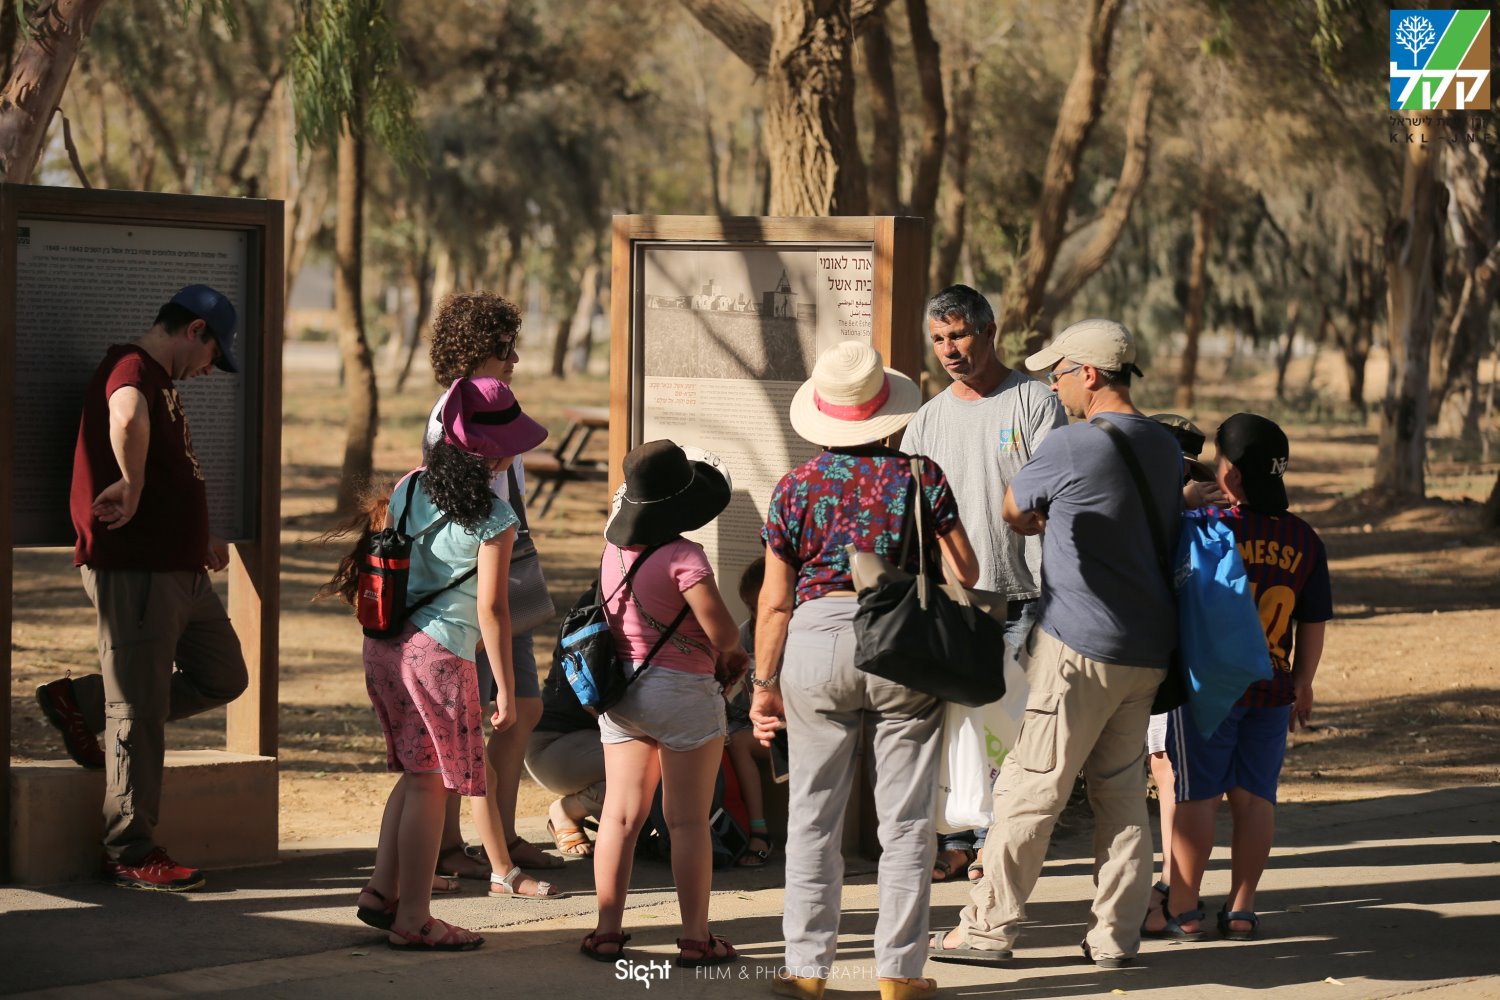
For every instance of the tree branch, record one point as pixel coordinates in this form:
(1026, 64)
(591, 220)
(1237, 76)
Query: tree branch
(1116, 212)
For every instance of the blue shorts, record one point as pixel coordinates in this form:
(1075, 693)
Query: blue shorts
(523, 662)
(1246, 752)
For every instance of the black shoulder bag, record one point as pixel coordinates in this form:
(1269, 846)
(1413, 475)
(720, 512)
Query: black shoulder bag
(910, 631)
(1173, 692)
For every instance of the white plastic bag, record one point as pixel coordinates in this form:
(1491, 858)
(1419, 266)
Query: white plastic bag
(975, 742)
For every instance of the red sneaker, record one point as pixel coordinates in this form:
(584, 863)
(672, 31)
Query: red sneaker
(157, 871)
(61, 709)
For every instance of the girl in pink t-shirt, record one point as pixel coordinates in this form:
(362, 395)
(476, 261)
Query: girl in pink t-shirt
(670, 724)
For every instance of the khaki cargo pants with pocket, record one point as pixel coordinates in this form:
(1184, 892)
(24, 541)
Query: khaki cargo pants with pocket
(1081, 715)
(147, 622)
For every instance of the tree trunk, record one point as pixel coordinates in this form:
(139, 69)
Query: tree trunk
(360, 391)
(885, 119)
(816, 167)
(39, 75)
(1203, 228)
(1075, 122)
(1474, 193)
(420, 272)
(577, 328)
(929, 170)
(1491, 517)
(1284, 355)
(1414, 267)
(954, 220)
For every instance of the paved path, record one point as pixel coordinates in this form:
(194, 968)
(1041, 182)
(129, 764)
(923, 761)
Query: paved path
(1383, 898)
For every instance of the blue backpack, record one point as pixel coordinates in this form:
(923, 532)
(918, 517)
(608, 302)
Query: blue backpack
(1219, 631)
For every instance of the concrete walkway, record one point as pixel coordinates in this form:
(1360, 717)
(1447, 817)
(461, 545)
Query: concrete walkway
(1382, 898)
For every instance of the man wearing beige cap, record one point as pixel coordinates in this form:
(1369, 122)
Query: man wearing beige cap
(1106, 628)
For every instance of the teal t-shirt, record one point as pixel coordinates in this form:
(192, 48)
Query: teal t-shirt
(437, 558)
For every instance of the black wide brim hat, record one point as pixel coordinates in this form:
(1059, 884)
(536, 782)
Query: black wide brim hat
(665, 494)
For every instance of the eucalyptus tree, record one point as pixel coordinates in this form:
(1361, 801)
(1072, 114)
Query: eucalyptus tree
(38, 76)
(348, 89)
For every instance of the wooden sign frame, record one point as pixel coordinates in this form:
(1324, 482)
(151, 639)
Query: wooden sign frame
(254, 565)
(714, 362)
(897, 244)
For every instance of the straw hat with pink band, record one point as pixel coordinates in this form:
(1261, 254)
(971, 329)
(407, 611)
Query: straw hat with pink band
(852, 398)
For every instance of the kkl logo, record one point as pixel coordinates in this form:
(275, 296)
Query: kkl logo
(642, 972)
(1440, 60)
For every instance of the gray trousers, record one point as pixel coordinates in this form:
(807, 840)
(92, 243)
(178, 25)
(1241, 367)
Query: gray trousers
(828, 703)
(148, 621)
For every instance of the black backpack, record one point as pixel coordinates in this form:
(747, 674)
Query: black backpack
(727, 838)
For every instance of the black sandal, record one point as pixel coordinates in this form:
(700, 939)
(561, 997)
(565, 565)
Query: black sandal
(761, 856)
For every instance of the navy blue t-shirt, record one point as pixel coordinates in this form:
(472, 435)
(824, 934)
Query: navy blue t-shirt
(1103, 590)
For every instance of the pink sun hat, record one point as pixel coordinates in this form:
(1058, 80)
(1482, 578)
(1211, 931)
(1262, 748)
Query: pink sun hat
(482, 417)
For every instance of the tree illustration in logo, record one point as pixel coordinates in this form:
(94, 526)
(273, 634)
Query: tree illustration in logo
(1414, 34)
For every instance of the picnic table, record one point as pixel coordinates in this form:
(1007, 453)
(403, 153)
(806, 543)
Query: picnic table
(570, 461)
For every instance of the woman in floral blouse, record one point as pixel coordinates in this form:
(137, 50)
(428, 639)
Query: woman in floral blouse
(856, 491)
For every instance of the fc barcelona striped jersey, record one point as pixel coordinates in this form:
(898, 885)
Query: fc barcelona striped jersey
(1288, 571)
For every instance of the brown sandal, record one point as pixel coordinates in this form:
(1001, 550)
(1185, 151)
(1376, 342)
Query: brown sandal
(453, 938)
(590, 946)
(706, 950)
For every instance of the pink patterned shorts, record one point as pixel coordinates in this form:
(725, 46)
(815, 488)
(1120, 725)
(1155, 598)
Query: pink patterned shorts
(427, 700)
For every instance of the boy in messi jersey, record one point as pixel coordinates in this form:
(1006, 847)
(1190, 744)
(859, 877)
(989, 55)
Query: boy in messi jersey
(1288, 572)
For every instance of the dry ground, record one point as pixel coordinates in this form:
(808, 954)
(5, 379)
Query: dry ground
(1408, 694)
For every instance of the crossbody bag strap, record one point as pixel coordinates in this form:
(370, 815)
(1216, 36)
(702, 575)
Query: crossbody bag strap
(517, 502)
(666, 634)
(1132, 463)
(682, 642)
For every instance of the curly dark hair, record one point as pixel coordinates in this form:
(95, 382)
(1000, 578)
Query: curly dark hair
(456, 481)
(468, 329)
(459, 484)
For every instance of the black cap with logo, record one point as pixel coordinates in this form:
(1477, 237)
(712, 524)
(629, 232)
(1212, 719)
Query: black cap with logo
(1258, 449)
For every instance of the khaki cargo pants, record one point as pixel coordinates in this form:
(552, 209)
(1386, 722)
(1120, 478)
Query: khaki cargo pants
(1081, 715)
(147, 622)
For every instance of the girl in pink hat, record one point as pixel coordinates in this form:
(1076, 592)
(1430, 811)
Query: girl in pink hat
(423, 682)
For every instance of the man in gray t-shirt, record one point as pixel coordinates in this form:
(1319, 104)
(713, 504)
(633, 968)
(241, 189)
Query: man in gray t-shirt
(1107, 626)
(981, 430)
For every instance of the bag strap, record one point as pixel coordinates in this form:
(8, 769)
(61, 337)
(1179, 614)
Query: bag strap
(682, 642)
(411, 486)
(517, 502)
(411, 609)
(666, 634)
(1132, 463)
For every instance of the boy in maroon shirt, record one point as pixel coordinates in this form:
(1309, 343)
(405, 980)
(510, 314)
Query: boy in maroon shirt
(140, 508)
(1288, 572)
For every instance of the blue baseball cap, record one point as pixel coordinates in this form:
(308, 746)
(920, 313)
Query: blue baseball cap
(215, 309)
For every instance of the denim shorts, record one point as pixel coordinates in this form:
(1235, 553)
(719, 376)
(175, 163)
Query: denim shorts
(678, 710)
(523, 661)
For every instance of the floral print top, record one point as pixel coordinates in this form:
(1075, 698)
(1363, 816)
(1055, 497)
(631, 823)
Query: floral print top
(855, 496)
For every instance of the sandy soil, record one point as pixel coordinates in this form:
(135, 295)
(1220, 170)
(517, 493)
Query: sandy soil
(1408, 696)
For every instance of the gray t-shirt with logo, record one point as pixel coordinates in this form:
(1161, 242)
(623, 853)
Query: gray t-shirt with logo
(980, 444)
